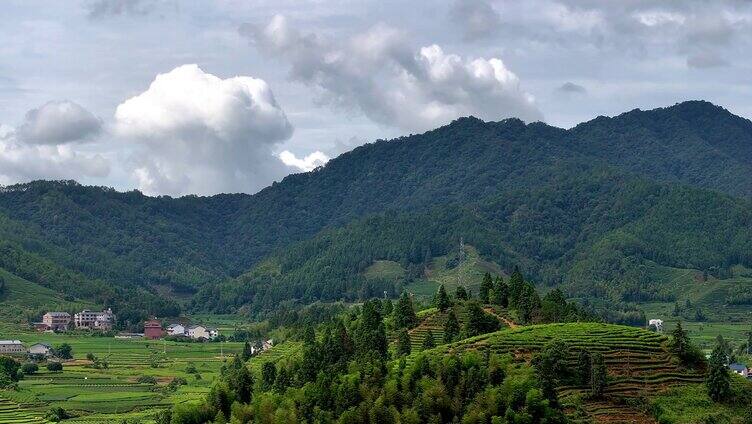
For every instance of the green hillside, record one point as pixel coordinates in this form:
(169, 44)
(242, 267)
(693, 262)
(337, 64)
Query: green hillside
(592, 209)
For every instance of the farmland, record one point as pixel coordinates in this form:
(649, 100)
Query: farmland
(125, 389)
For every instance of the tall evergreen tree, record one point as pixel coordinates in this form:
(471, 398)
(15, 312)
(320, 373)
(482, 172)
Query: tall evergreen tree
(268, 375)
(403, 343)
(718, 380)
(371, 335)
(442, 299)
(451, 327)
(584, 367)
(598, 376)
(500, 293)
(679, 344)
(404, 312)
(247, 351)
(516, 283)
(461, 293)
(428, 341)
(486, 285)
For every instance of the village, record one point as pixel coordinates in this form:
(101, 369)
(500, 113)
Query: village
(104, 322)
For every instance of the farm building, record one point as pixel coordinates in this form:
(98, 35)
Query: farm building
(201, 332)
(54, 321)
(12, 347)
(657, 323)
(740, 369)
(153, 329)
(176, 330)
(92, 320)
(42, 349)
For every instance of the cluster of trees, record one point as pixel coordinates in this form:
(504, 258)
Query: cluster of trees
(347, 374)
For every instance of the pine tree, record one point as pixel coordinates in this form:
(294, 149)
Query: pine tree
(718, 380)
(584, 367)
(403, 343)
(442, 299)
(516, 283)
(461, 293)
(500, 293)
(451, 327)
(428, 341)
(677, 310)
(598, 376)
(309, 335)
(485, 288)
(268, 375)
(247, 351)
(404, 313)
(679, 344)
(371, 335)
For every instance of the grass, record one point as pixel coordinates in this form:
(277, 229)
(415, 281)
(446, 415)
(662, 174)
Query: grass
(102, 395)
(691, 404)
(22, 297)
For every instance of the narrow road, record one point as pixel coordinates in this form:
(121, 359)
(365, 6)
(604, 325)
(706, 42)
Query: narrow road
(505, 320)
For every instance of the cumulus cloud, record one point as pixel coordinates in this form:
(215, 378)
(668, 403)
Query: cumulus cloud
(307, 163)
(476, 18)
(21, 161)
(570, 87)
(198, 133)
(58, 122)
(377, 73)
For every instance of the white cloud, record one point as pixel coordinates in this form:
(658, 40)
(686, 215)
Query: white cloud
(308, 163)
(377, 73)
(20, 161)
(58, 122)
(198, 133)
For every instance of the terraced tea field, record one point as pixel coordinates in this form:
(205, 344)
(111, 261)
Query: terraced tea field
(637, 360)
(13, 413)
(434, 321)
(275, 354)
(102, 395)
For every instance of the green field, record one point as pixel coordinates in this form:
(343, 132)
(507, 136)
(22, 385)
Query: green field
(101, 395)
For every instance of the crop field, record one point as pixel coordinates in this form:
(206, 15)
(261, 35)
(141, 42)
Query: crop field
(434, 320)
(100, 395)
(637, 360)
(275, 354)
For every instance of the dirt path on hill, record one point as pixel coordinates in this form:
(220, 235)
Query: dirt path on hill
(505, 320)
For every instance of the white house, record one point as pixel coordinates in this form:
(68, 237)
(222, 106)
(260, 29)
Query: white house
(42, 349)
(740, 369)
(12, 347)
(657, 323)
(176, 330)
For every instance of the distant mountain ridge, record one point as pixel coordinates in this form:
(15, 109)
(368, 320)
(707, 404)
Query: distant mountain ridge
(202, 243)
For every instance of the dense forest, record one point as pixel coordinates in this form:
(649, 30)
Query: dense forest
(591, 209)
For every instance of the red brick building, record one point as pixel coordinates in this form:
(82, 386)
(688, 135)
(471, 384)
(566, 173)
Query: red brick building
(153, 329)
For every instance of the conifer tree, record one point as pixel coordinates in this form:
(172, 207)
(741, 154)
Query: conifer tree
(485, 288)
(516, 283)
(442, 299)
(404, 313)
(718, 380)
(451, 327)
(598, 376)
(584, 367)
(461, 293)
(247, 351)
(428, 341)
(268, 375)
(679, 344)
(500, 293)
(403, 343)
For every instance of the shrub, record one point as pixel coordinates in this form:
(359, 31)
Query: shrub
(29, 368)
(54, 366)
(147, 379)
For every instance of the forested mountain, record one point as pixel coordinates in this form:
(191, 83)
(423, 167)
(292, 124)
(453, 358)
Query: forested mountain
(589, 207)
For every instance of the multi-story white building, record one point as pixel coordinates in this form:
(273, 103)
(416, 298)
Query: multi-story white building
(95, 320)
(12, 347)
(55, 321)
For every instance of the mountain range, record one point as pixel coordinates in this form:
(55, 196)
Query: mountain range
(605, 210)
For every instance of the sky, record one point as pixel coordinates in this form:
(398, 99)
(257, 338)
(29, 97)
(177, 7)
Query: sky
(196, 97)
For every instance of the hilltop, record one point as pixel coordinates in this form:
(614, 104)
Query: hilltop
(604, 209)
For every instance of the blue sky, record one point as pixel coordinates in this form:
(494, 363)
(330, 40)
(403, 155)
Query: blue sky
(178, 97)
